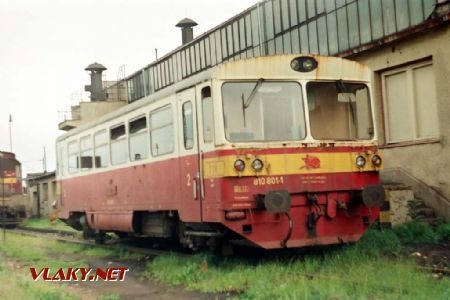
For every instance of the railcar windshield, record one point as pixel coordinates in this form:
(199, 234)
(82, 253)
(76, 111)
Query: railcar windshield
(263, 111)
(339, 111)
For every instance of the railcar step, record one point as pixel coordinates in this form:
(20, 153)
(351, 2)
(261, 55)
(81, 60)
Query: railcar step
(203, 233)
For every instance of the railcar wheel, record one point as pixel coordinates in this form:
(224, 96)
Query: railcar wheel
(100, 238)
(122, 235)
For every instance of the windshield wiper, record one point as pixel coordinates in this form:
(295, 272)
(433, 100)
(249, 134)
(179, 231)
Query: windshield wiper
(246, 102)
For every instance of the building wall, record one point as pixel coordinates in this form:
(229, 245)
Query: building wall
(93, 110)
(47, 196)
(425, 162)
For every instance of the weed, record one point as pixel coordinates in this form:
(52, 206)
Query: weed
(369, 269)
(378, 242)
(443, 232)
(415, 233)
(414, 209)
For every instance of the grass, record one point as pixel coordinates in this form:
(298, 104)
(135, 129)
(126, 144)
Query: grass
(373, 268)
(18, 246)
(370, 269)
(27, 251)
(46, 223)
(17, 286)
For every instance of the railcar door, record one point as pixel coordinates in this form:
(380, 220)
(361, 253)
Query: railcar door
(190, 200)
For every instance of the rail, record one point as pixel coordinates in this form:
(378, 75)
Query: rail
(72, 237)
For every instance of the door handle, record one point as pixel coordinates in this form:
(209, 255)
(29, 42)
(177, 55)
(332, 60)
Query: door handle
(194, 188)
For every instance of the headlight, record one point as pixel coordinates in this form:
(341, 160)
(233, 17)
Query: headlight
(360, 161)
(304, 64)
(257, 165)
(239, 165)
(376, 160)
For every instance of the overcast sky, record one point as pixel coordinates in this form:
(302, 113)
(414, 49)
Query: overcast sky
(46, 44)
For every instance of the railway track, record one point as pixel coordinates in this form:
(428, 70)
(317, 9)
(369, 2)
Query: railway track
(120, 245)
(72, 237)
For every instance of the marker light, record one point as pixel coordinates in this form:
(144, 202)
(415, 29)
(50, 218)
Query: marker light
(239, 165)
(257, 165)
(376, 160)
(304, 64)
(360, 161)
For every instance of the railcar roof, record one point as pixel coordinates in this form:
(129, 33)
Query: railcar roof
(329, 68)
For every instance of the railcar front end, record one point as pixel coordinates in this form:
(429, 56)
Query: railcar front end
(302, 163)
(12, 200)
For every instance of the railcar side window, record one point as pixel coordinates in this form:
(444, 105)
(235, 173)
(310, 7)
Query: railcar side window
(263, 111)
(101, 149)
(161, 131)
(208, 115)
(339, 110)
(138, 139)
(188, 129)
(73, 156)
(118, 139)
(86, 153)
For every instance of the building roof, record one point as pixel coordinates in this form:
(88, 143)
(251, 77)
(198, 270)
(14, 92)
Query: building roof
(34, 177)
(275, 26)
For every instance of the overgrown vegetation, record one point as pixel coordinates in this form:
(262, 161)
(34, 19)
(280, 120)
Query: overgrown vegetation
(14, 285)
(46, 223)
(373, 268)
(27, 251)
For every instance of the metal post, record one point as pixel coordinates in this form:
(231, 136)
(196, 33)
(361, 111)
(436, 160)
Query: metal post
(10, 135)
(44, 161)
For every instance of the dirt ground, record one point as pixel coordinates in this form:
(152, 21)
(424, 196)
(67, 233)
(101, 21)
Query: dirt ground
(132, 288)
(432, 255)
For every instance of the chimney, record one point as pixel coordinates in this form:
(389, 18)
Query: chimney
(96, 87)
(187, 33)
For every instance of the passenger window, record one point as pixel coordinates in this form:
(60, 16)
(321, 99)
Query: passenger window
(73, 156)
(161, 131)
(138, 139)
(188, 129)
(118, 145)
(86, 153)
(208, 117)
(101, 149)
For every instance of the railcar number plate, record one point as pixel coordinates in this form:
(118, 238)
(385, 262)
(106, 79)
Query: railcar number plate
(272, 180)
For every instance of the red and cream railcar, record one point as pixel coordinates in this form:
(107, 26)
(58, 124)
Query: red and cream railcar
(279, 151)
(13, 204)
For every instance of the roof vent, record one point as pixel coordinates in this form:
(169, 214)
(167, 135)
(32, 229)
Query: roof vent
(187, 32)
(96, 87)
